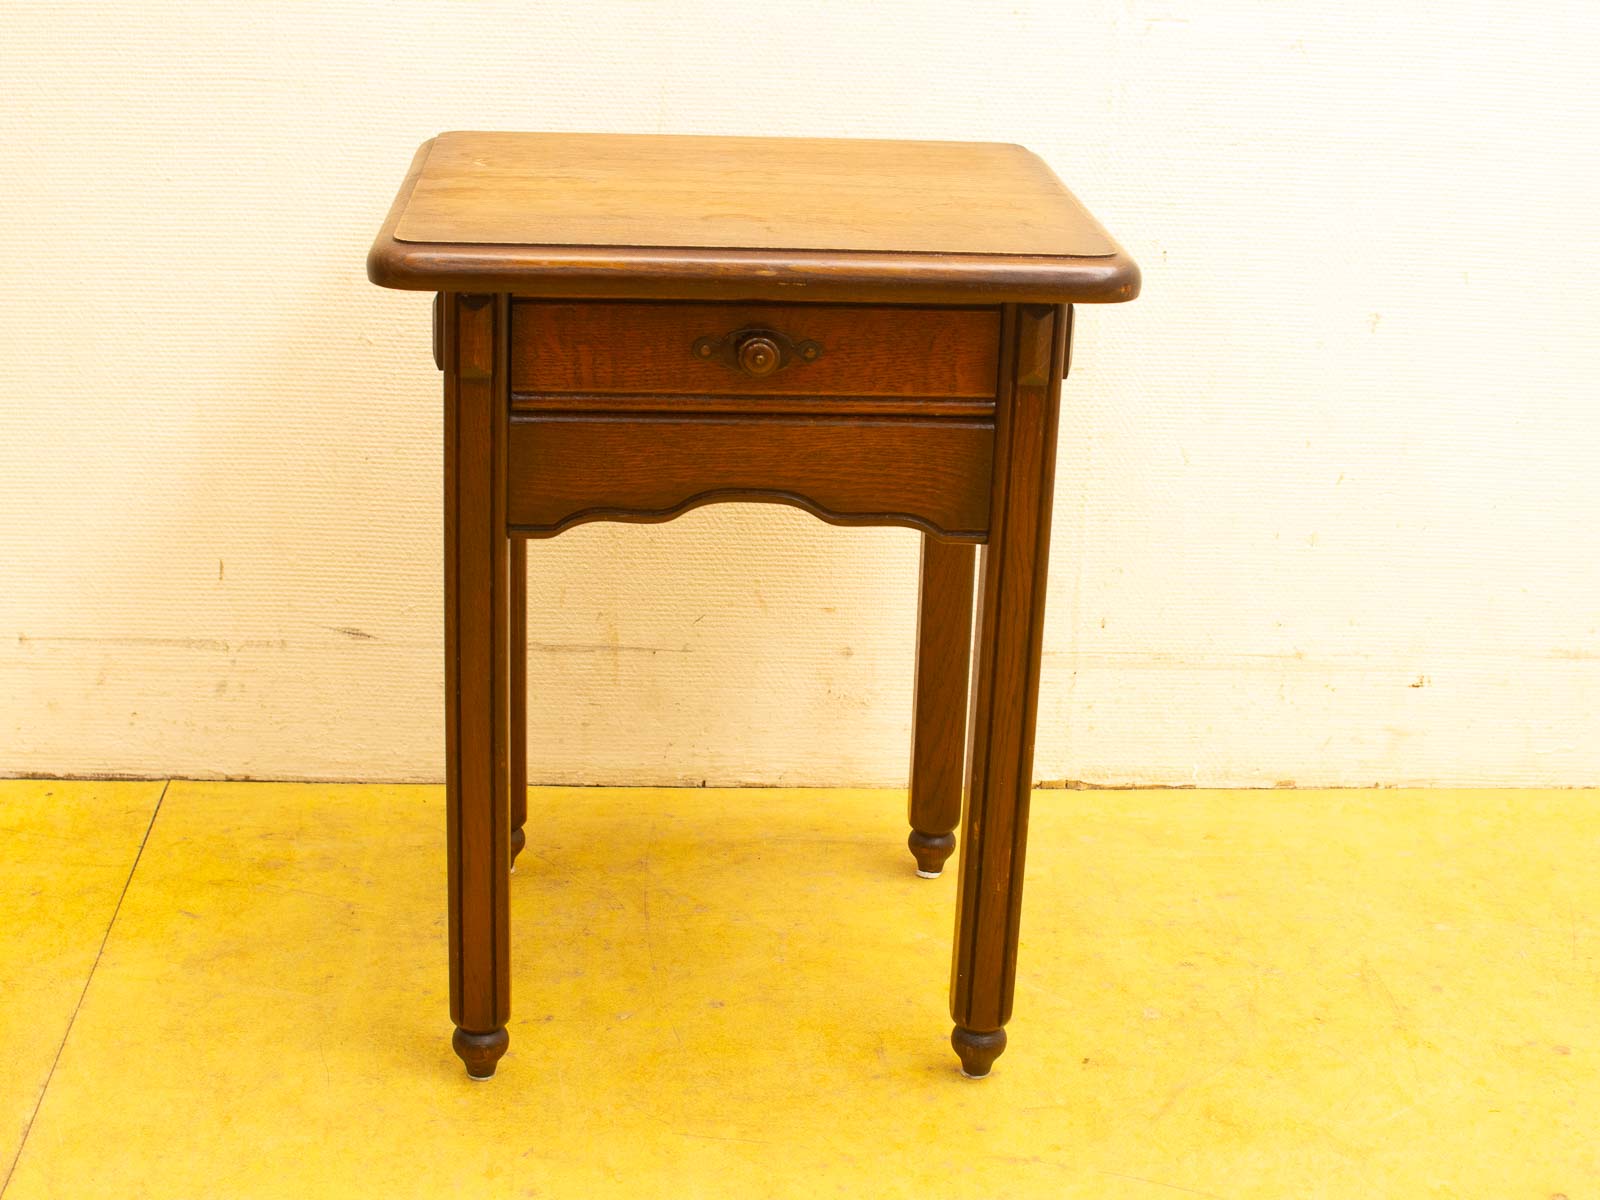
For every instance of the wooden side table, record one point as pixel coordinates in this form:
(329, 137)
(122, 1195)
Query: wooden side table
(876, 332)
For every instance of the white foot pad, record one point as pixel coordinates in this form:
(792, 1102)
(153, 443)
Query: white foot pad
(921, 874)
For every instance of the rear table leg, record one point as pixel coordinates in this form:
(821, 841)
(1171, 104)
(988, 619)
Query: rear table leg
(939, 706)
(519, 696)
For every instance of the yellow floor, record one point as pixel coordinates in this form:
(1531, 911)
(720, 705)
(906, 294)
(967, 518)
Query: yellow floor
(741, 994)
(67, 848)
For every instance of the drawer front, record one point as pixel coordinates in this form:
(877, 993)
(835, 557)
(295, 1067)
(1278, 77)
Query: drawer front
(624, 355)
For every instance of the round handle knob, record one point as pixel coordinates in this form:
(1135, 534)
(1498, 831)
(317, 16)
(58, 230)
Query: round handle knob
(759, 355)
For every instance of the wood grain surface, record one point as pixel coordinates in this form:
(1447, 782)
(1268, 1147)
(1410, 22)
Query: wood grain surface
(646, 217)
(928, 475)
(577, 189)
(478, 635)
(619, 349)
(939, 700)
(519, 695)
(1012, 569)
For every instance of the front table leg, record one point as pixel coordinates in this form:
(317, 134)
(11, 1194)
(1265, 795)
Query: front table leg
(1012, 569)
(477, 679)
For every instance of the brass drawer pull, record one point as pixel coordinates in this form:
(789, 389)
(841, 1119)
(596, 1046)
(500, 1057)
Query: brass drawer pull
(756, 352)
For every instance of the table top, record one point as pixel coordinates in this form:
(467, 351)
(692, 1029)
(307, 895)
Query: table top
(755, 218)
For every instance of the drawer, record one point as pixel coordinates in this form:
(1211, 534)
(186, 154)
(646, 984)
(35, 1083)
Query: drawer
(775, 358)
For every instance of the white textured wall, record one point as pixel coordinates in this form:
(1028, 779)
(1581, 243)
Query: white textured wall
(1327, 507)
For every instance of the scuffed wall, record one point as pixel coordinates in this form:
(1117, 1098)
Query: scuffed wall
(1327, 501)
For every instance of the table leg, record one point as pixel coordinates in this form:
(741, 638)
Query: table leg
(477, 680)
(519, 696)
(939, 705)
(1012, 570)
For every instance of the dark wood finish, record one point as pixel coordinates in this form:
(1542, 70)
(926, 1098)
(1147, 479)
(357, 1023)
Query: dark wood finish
(1012, 568)
(775, 194)
(477, 678)
(746, 404)
(977, 1051)
(930, 850)
(519, 697)
(756, 350)
(438, 331)
(928, 475)
(744, 219)
(609, 349)
(480, 1051)
(939, 705)
(872, 331)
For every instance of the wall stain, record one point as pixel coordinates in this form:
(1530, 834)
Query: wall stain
(354, 634)
(1087, 785)
(602, 648)
(178, 643)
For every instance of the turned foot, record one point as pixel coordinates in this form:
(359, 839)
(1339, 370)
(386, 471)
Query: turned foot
(519, 839)
(480, 1051)
(930, 850)
(977, 1050)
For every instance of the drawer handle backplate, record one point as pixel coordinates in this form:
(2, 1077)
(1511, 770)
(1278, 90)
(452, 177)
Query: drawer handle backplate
(755, 351)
